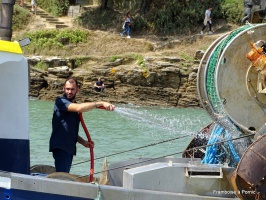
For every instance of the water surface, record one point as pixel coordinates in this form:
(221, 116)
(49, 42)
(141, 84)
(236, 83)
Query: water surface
(128, 127)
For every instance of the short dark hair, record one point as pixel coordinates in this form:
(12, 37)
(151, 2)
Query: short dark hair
(72, 80)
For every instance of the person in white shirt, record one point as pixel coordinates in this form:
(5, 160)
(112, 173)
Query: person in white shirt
(207, 20)
(33, 5)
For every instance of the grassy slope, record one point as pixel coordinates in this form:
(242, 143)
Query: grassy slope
(108, 43)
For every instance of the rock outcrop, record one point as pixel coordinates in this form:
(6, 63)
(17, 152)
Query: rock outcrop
(158, 81)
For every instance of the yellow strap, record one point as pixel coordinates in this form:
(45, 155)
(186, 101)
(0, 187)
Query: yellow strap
(12, 47)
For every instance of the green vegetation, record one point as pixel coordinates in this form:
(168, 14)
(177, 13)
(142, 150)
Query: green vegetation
(140, 60)
(179, 16)
(99, 18)
(79, 60)
(21, 18)
(55, 7)
(141, 63)
(48, 39)
(114, 58)
(141, 23)
(42, 66)
(168, 17)
(176, 16)
(186, 57)
(233, 10)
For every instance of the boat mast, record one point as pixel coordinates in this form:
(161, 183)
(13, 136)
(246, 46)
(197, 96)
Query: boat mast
(6, 19)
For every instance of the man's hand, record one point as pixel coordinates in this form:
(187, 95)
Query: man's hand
(88, 144)
(108, 106)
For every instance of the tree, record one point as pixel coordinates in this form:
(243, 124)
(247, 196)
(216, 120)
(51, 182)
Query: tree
(104, 4)
(144, 6)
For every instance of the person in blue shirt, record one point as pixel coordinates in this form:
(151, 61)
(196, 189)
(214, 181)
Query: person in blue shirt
(65, 125)
(99, 85)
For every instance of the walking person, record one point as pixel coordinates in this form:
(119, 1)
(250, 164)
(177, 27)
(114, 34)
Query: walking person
(65, 125)
(21, 3)
(207, 21)
(33, 5)
(126, 25)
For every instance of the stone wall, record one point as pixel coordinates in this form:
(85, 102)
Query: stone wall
(163, 81)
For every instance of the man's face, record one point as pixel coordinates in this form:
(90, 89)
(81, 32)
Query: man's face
(70, 90)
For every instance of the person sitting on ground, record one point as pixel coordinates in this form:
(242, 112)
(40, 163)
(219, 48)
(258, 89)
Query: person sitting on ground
(99, 85)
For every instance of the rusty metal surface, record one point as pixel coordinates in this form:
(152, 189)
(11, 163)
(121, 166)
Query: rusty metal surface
(251, 172)
(252, 167)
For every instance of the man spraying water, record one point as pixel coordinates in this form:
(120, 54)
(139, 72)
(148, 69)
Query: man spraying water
(65, 125)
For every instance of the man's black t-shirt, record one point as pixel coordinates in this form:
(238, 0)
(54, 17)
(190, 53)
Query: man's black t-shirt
(65, 127)
(99, 83)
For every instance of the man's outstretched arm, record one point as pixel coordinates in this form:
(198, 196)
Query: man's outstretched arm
(83, 107)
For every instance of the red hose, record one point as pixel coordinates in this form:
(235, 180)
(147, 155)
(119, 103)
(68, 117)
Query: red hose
(91, 146)
(90, 141)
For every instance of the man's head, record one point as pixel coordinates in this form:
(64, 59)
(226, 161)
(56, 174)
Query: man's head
(71, 88)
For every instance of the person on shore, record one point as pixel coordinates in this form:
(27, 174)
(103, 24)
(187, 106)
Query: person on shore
(33, 5)
(65, 125)
(99, 85)
(126, 25)
(207, 21)
(21, 3)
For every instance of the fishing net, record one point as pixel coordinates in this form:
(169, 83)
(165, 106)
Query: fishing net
(224, 152)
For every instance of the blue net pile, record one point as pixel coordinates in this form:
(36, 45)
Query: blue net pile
(220, 152)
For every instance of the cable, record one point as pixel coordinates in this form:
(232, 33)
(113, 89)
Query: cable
(191, 149)
(153, 144)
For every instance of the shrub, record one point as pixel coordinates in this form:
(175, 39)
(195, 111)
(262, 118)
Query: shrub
(21, 18)
(55, 7)
(114, 58)
(55, 38)
(42, 66)
(233, 10)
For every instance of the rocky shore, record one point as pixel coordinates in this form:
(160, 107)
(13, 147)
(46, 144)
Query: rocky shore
(159, 81)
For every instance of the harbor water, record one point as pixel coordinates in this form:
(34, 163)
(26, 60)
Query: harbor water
(128, 127)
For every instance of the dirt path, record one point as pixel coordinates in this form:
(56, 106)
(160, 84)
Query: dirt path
(43, 20)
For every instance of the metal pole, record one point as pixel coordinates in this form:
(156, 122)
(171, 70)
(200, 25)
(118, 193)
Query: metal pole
(6, 19)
